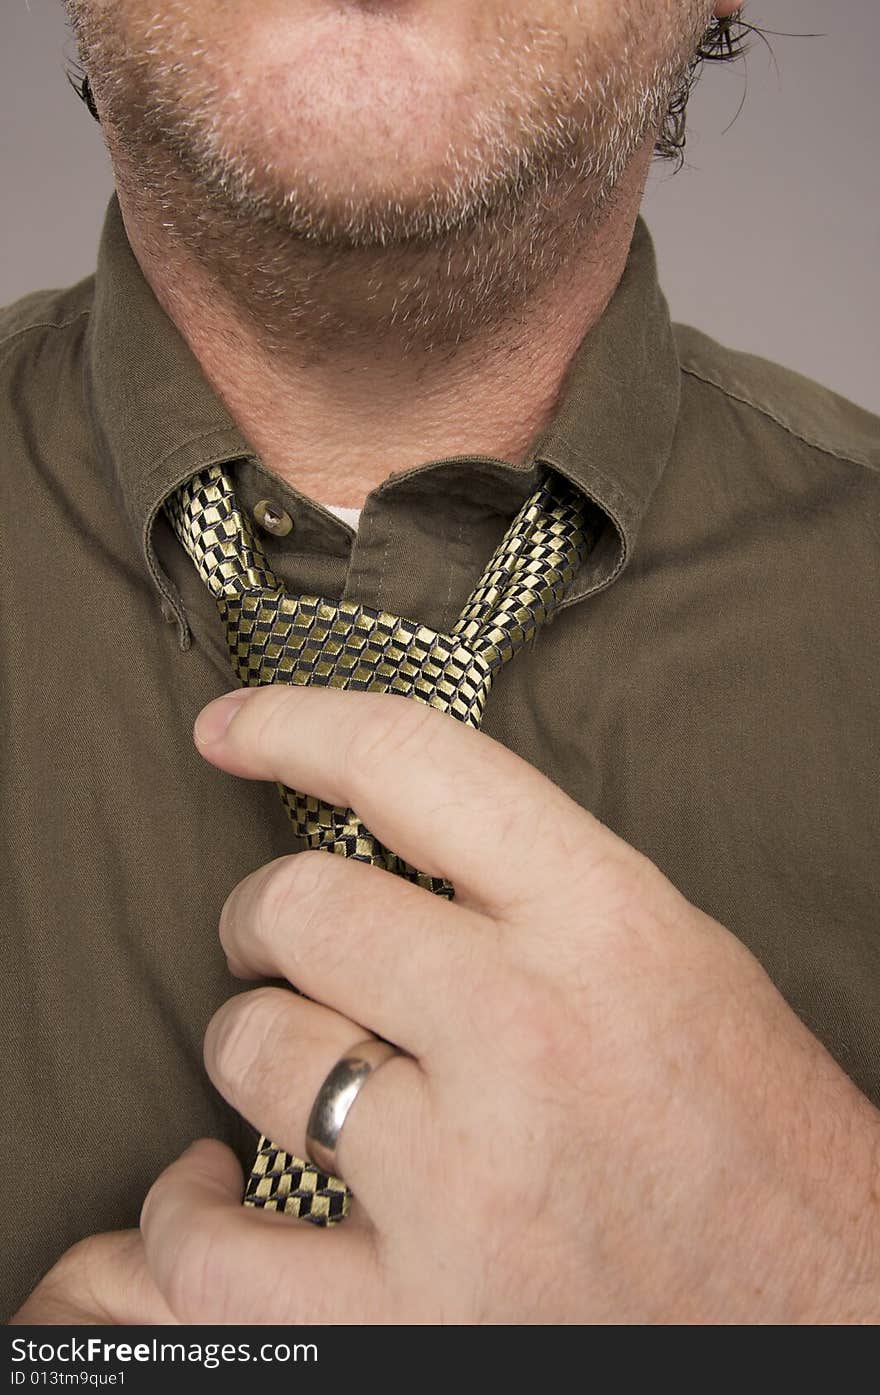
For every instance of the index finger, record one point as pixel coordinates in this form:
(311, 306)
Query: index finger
(446, 798)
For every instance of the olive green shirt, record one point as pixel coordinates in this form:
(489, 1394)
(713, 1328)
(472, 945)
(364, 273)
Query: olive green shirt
(711, 691)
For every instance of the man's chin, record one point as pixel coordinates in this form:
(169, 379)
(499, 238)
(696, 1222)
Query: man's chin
(362, 218)
(322, 195)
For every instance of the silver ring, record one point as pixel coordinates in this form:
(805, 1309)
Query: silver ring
(336, 1096)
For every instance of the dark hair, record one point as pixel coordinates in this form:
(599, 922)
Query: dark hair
(724, 40)
(79, 81)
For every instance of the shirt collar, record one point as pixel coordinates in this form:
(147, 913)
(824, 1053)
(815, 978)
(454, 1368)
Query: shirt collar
(613, 429)
(156, 420)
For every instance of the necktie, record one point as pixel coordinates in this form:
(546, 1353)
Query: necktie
(274, 637)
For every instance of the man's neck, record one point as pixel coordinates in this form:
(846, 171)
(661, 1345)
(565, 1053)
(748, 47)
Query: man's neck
(337, 424)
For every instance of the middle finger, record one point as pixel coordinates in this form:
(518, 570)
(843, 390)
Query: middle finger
(380, 950)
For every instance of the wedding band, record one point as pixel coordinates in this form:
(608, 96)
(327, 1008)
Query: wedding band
(336, 1096)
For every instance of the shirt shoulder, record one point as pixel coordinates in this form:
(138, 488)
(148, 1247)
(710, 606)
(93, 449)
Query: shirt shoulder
(27, 322)
(781, 398)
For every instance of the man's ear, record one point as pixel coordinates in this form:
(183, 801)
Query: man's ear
(725, 8)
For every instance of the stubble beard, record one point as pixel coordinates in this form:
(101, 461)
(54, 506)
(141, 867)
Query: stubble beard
(315, 272)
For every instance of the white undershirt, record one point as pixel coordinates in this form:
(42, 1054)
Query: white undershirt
(350, 516)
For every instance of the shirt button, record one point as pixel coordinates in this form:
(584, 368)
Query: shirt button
(168, 614)
(273, 518)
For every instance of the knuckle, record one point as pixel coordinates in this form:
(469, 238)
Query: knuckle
(631, 894)
(72, 1278)
(603, 884)
(530, 1022)
(389, 726)
(287, 888)
(78, 1256)
(512, 823)
(298, 906)
(194, 1285)
(586, 844)
(267, 719)
(276, 903)
(239, 1035)
(77, 1265)
(477, 979)
(173, 1265)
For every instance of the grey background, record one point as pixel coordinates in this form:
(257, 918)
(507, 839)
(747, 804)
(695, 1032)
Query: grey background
(768, 239)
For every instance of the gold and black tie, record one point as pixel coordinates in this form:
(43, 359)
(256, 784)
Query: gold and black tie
(277, 638)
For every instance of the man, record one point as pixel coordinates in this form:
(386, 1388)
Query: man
(386, 257)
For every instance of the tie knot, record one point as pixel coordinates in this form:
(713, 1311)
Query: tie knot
(519, 590)
(340, 644)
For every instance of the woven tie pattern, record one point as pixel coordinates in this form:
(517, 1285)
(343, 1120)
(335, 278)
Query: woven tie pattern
(277, 638)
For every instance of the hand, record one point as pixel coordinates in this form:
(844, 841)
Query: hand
(607, 1112)
(103, 1280)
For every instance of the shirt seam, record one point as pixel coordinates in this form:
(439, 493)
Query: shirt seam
(43, 324)
(765, 411)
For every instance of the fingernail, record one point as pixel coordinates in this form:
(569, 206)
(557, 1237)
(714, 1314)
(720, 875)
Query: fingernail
(213, 720)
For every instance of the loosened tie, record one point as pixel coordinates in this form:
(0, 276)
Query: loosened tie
(277, 638)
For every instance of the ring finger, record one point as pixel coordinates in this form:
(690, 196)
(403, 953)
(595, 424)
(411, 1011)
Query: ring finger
(269, 1052)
